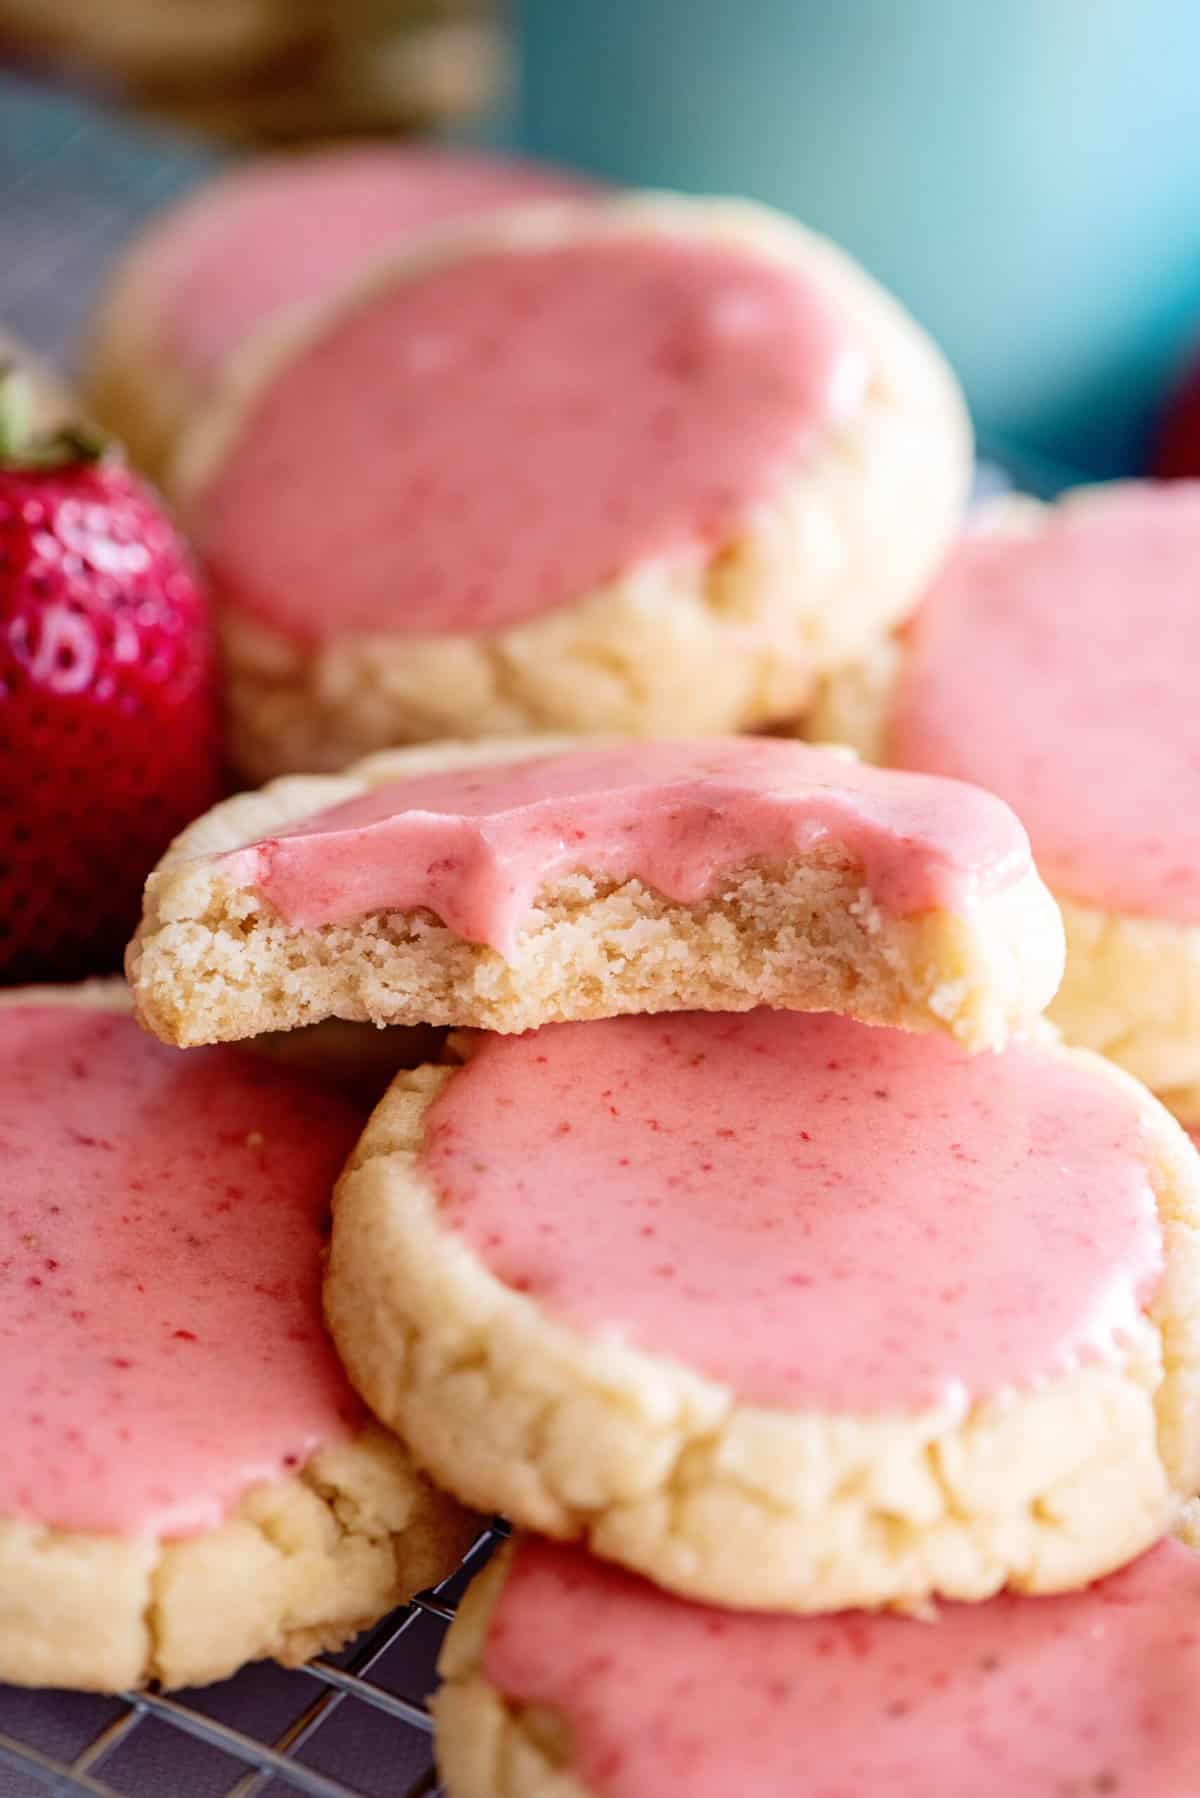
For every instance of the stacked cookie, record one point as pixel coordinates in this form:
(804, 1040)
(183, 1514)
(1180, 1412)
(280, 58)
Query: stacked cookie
(766, 458)
(189, 1481)
(640, 464)
(748, 1232)
(1083, 615)
(749, 1240)
(276, 235)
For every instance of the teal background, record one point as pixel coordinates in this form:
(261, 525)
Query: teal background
(1024, 173)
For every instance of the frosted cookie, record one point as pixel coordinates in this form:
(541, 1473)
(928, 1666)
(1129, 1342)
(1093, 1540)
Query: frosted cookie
(782, 1311)
(1054, 662)
(188, 1481)
(507, 885)
(569, 1679)
(644, 466)
(278, 234)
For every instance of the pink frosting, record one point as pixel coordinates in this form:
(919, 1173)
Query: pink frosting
(1092, 1695)
(291, 231)
(476, 844)
(503, 435)
(161, 1343)
(815, 1213)
(1060, 671)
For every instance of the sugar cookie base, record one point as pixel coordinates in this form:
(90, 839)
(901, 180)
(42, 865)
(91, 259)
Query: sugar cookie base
(302, 1565)
(487, 1745)
(671, 1474)
(700, 643)
(212, 961)
(1131, 989)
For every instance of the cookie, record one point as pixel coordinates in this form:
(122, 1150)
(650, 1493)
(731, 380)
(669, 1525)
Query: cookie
(188, 1481)
(569, 1679)
(642, 466)
(1052, 662)
(507, 885)
(278, 234)
(783, 1311)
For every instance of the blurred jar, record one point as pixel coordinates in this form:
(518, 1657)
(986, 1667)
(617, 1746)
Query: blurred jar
(274, 70)
(1024, 173)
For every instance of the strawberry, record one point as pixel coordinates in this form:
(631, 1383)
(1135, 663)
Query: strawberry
(108, 723)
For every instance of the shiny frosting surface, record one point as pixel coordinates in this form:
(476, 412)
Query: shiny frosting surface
(290, 231)
(476, 844)
(161, 1340)
(1092, 1695)
(504, 434)
(1059, 671)
(817, 1214)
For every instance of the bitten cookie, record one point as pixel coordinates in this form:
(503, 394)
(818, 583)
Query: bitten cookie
(783, 1311)
(642, 466)
(503, 886)
(1053, 662)
(278, 234)
(568, 1679)
(188, 1481)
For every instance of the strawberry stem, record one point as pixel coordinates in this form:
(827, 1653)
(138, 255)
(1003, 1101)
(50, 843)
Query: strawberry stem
(22, 445)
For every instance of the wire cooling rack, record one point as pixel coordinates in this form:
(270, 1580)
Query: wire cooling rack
(353, 1726)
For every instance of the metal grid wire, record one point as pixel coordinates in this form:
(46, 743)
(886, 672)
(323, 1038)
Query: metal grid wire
(341, 1697)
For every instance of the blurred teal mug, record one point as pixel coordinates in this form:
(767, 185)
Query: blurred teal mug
(1024, 173)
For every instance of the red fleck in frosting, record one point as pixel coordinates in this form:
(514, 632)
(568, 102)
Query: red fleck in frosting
(1059, 671)
(500, 436)
(291, 231)
(161, 1341)
(1092, 1695)
(817, 1214)
(476, 844)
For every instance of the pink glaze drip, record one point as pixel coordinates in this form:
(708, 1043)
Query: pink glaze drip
(291, 231)
(475, 845)
(815, 1213)
(1092, 1695)
(161, 1343)
(507, 433)
(1060, 672)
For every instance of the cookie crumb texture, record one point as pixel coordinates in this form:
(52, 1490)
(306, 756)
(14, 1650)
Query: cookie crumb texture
(214, 959)
(688, 1467)
(567, 1679)
(303, 1564)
